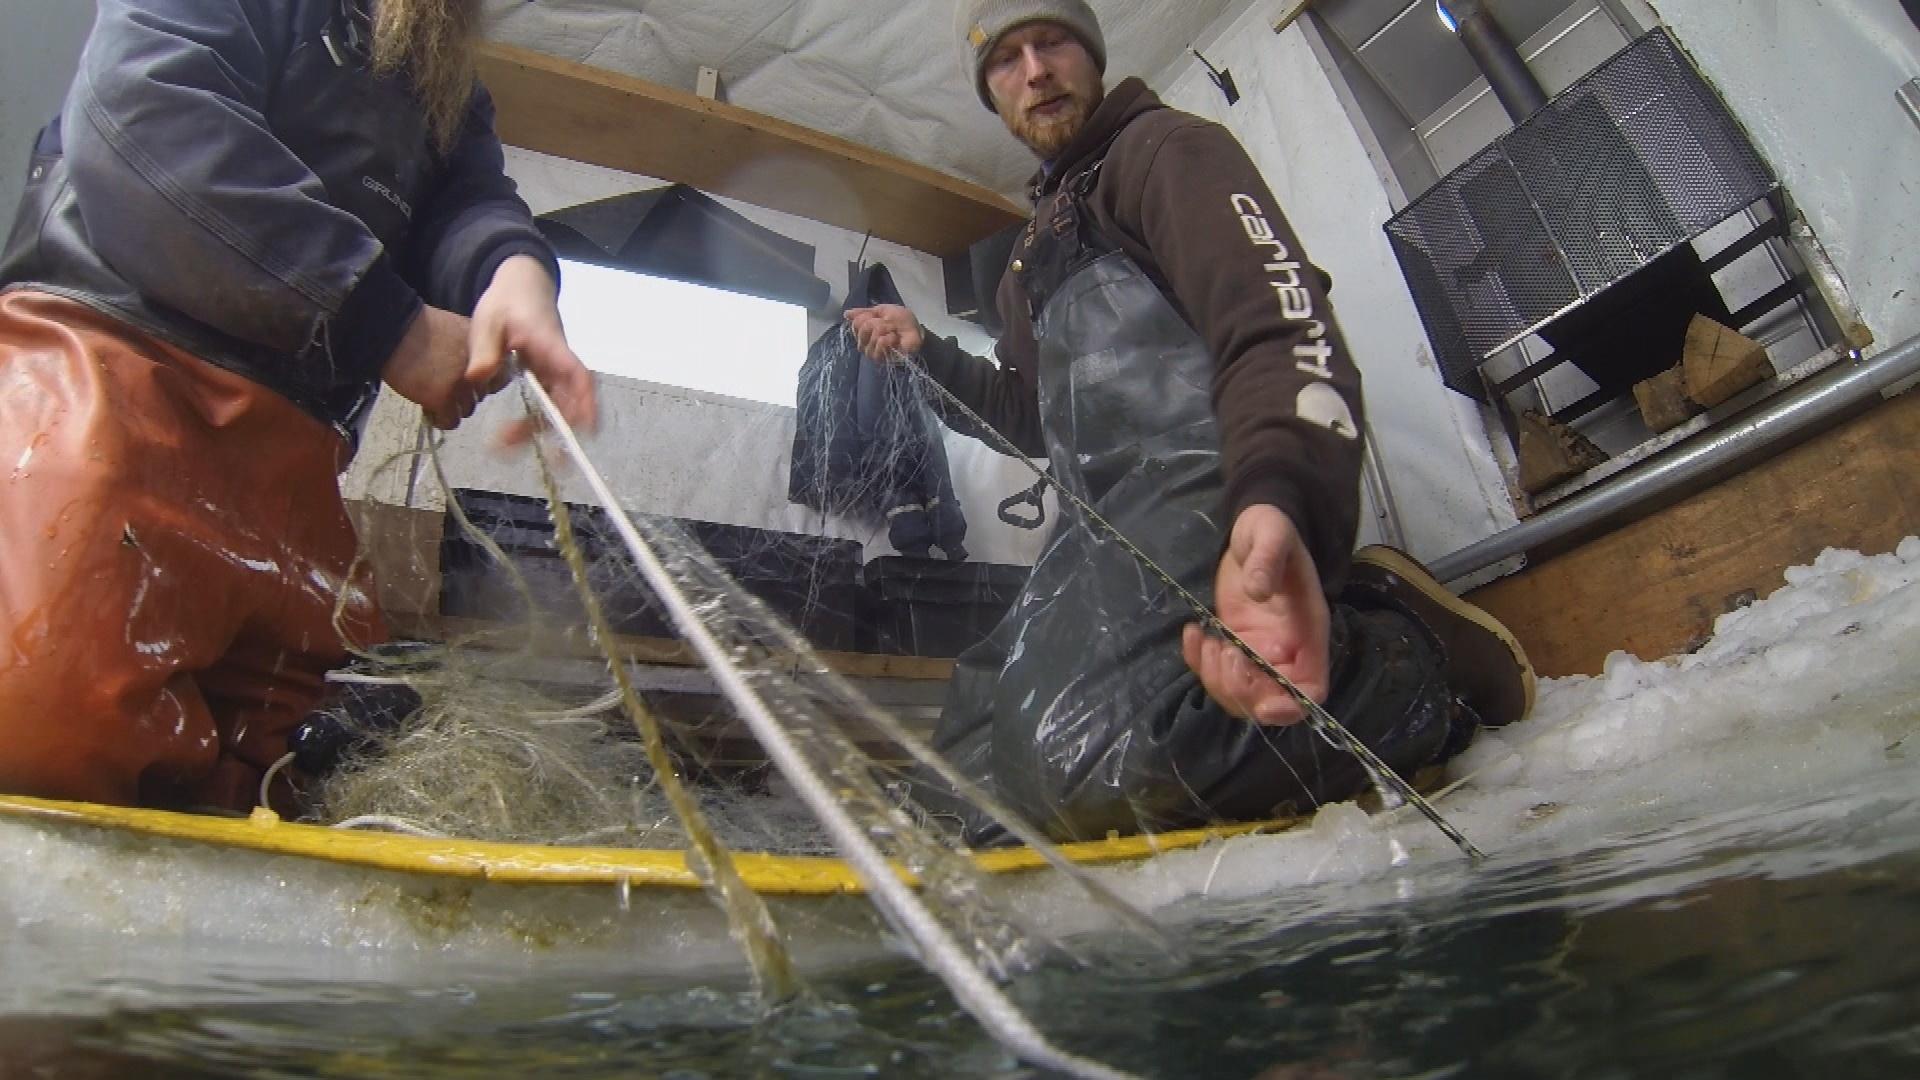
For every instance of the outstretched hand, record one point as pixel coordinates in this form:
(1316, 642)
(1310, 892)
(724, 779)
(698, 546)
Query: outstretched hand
(884, 330)
(1267, 590)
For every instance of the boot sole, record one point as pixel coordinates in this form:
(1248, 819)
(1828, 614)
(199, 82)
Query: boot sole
(1401, 565)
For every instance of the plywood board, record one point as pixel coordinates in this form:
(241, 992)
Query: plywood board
(554, 106)
(1655, 587)
(574, 643)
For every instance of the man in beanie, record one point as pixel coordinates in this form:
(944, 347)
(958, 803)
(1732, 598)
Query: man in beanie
(1172, 351)
(249, 214)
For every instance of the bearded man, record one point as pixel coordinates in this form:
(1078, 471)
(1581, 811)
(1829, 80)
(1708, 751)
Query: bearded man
(1173, 353)
(248, 214)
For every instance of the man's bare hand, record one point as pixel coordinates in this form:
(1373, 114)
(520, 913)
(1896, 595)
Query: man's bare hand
(519, 314)
(429, 367)
(1267, 590)
(448, 364)
(885, 329)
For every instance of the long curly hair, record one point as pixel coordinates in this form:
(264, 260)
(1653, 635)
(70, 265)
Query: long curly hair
(431, 44)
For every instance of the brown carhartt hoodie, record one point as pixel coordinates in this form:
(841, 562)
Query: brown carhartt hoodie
(1181, 197)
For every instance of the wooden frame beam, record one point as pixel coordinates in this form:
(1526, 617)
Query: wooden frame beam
(650, 650)
(558, 107)
(1855, 486)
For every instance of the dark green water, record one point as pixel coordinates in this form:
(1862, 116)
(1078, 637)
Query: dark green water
(1783, 943)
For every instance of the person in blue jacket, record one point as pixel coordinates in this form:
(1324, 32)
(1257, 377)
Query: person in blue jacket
(247, 216)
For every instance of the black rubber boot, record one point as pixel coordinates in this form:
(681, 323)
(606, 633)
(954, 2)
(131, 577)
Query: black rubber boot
(1389, 689)
(1485, 665)
(352, 713)
(346, 723)
(1186, 763)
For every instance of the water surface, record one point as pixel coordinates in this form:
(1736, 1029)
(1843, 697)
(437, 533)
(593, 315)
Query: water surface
(1781, 941)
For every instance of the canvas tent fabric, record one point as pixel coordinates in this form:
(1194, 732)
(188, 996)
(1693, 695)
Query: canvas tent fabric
(884, 75)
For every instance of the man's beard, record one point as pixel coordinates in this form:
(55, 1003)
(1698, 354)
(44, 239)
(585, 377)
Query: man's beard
(430, 44)
(1048, 135)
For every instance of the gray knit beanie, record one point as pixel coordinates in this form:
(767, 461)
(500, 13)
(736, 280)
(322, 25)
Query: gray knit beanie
(982, 23)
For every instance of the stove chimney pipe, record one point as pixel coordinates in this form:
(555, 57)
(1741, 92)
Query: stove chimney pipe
(1496, 56)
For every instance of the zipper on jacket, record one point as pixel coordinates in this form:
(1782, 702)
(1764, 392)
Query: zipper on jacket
(348, 36)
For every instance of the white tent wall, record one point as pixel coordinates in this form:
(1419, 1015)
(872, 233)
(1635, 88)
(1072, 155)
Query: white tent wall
(883, 73)
(1814, 85)
(703, 456)
(1446, 486)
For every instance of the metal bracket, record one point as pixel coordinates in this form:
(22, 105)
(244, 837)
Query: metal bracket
(707, 84)
(1909, 98)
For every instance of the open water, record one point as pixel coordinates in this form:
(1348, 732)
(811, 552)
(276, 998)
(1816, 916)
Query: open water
(1779, 940)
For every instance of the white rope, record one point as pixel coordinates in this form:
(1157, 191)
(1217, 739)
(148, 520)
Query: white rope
(273, 770)
(938, 950)
(604, 703)
(357, 678)
(386, 821)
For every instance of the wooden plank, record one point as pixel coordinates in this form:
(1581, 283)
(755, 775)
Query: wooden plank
(1289, 14)
(1663, 400)
(1721, 362)
(1552, 452)
(572, 642)
(1655, 587)
(589, 114)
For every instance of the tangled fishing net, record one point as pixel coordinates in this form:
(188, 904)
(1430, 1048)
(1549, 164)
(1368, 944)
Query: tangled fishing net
(483, 757)
(491, 760)
(508, 765)
(516, 737)
(489, 753)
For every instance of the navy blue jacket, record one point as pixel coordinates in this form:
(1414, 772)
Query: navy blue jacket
(867, 446)
(229, 176)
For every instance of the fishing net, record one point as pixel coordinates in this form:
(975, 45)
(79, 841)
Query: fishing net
(568, 727)
(623, 677)
(512, 728)
(486, 757)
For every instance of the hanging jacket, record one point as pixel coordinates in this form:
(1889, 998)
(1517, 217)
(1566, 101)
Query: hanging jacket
(865, 444)
(231, 178)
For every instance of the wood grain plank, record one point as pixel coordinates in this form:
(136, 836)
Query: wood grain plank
(1655, 587)
(573, 642)
(593, 115)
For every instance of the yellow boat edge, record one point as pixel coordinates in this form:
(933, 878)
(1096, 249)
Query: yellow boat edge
(544, 864)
